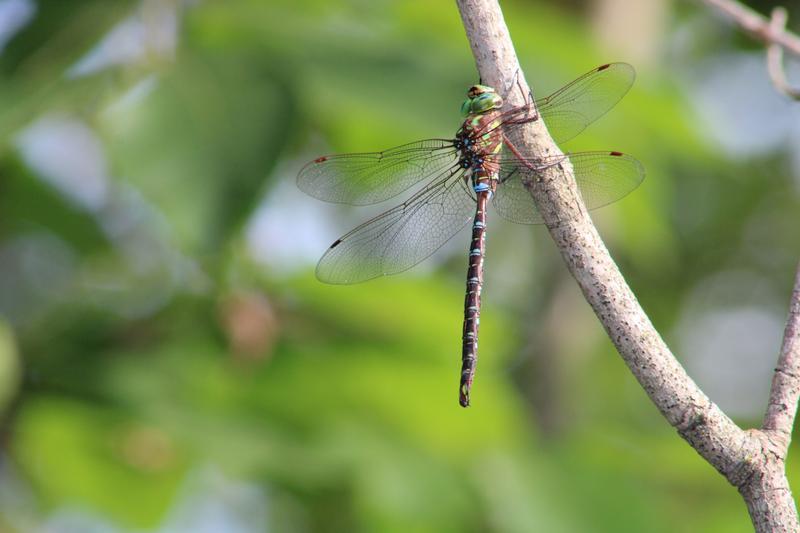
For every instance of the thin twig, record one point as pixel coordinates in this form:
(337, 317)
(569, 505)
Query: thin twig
(771, 32)
(757, 25)
(775, 57)
(785, 391)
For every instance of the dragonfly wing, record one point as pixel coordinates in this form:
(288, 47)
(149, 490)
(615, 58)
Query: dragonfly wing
(401, 237)
(602, 178)
(369, 178)
(569, 110)
(512, 199)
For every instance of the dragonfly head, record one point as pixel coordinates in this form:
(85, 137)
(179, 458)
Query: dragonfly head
(480, 99)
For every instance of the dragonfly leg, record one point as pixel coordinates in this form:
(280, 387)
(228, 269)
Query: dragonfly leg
(514, 80)
(514, 150)
(526, 96)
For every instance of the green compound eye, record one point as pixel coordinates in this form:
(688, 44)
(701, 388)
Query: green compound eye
(486, 102)
(480, 99)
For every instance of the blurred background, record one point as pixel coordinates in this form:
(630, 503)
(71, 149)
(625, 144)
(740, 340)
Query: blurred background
(169, 363)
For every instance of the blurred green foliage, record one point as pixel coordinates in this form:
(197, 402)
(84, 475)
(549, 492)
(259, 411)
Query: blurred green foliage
(141, 343)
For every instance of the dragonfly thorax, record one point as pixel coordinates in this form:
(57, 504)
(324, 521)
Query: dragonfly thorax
(471, 154)
(479, 138)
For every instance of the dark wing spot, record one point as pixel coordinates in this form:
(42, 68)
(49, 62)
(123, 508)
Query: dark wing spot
(320, 159)
(603, 67)
(337, 243)
(616, 154)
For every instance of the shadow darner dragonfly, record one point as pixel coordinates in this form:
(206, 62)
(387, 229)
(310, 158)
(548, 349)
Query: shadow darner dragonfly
(460, 175)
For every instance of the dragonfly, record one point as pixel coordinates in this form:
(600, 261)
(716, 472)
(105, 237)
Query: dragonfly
(457, 177)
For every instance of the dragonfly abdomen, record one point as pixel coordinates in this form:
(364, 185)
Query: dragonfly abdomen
(484, 183)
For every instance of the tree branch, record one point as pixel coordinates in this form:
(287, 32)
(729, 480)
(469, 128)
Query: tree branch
(748, 459)
(785, 391)
(678, 398)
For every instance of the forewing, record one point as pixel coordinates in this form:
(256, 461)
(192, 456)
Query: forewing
(602, 178)
(569, 110)
(368, 178)
(401, 237)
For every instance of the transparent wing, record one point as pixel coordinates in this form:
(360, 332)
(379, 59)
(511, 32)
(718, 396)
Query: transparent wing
(602, 178)
(369, 178)
(401, 237)
(569, 110)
